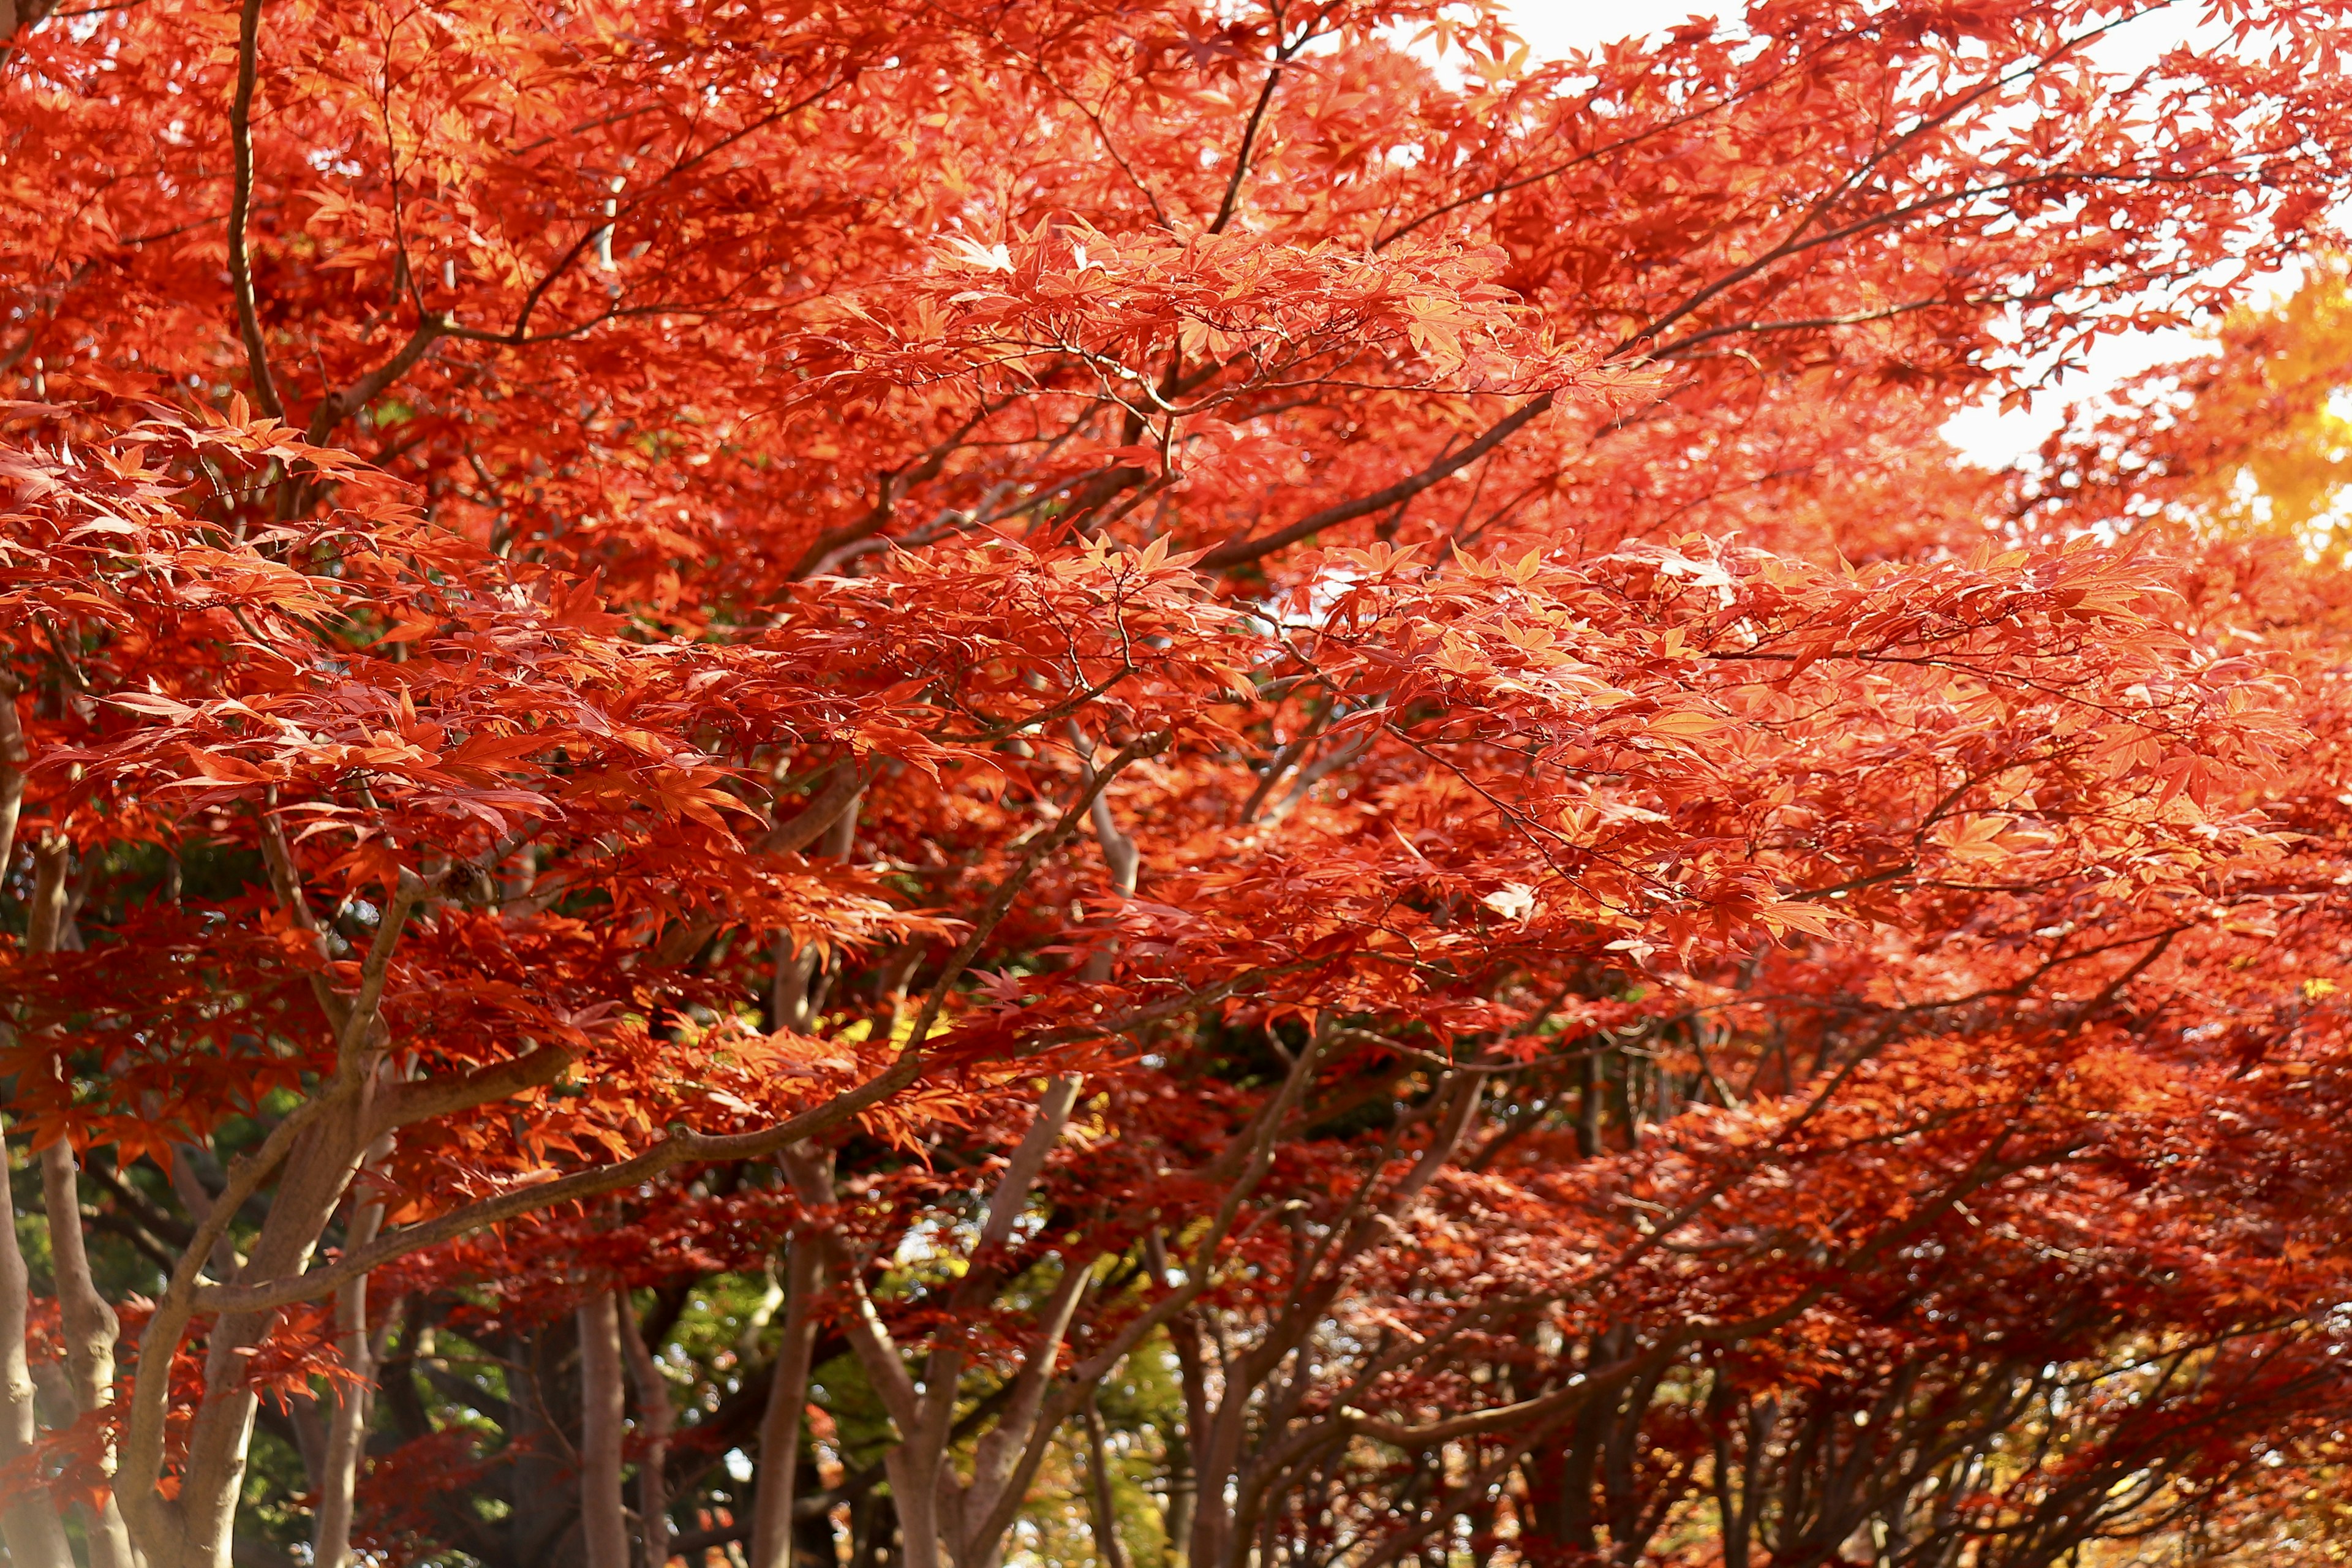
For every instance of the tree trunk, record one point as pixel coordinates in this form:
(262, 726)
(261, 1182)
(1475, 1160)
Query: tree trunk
(604, 1527)
(1183, 1479)
(348, 1416)
(539, 1508)
(90, 1324)
(316, 1174)
(1108, 1549)
(653, 1420)
(913, 1468)
(1177, 1533)
(90, 1332)
(780, 1427)
(29, 1524)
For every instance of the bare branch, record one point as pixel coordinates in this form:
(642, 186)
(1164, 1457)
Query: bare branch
(1240, 552)
(240, 211)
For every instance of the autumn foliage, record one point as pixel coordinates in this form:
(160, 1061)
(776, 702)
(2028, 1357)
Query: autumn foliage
(1162, 783)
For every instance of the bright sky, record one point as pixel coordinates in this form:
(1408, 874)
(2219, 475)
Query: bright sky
(1553, 28)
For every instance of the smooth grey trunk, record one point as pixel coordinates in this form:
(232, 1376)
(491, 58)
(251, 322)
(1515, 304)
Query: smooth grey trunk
(90, 1324)
(603, 1518)
(317, 1173)
(91, 1329)
(914, 1482)
(35, 1537)
(28, 1524)
(347, 1417)
(944, 1519)
(1226, 1498)
(779, 1426)
(314, 1153)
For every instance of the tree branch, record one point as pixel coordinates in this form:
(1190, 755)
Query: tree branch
(241, 210)
(679, 1148)
(1240, 552)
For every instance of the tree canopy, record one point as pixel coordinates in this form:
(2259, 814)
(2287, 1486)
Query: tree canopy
(1169, 785)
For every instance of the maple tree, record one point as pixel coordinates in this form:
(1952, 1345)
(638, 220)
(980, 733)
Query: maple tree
(866, 782)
